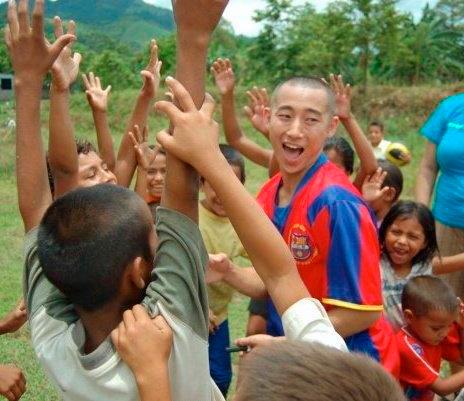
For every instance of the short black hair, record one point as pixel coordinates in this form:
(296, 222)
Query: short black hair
(234, 158)
(88, 237)
(423, 294)
(406, 209)
(84, 146)
(394, 178)
(344, 149)
(312, 83)
(376, 123)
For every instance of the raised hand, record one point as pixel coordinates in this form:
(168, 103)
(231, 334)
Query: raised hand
(30, 53)
(372, 186)
(143, 343)
(145, 155)
(258, 101)
(195, 135)
(223, 75)
(342, 96)
(66, 67)
(198, 17)
(12, 382)
(96, 95)
(151, 74)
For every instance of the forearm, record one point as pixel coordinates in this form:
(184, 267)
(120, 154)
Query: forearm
(155, 386)
(127, 160)
(141, 183)
(349, 321)
(449, 385)
(104, 138)
(277, 269)
(181, 181)
(62, 151)
(235, 137)
(246, 281)
(368, 162)
(31, 171)
(427, 175)
(448, 264)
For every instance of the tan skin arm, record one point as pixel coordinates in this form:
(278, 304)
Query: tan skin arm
(448, 264)
(349, 321)
(427, 175)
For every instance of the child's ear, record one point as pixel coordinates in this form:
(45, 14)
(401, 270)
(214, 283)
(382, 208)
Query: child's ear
(333, 126)
(137, 273)
(408, 315)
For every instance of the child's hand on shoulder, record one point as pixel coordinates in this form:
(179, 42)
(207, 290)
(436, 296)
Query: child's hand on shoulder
(258, 102)
(31, 54)
(96, 95)
(142, 342)
(152, 73)
(66, 67)
(223, 76)
(195, 133)
(342, 96)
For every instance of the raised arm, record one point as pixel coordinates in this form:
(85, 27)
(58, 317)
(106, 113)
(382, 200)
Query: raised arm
(258, 101)
(368, 162)
(98, 101)
(448, 264)
(126, 161)
(196, 21)
(195, 139)
(62, 152)
(225, 82)
(427, 175)
(31, 57)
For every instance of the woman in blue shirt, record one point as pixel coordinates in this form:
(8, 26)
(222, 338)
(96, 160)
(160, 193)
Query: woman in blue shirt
(441, 173)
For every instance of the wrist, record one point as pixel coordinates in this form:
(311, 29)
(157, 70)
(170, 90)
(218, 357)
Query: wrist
(157, 369)
(28, 82)
(193, 38)
(229, 95)
(346, 119)
(56, 90)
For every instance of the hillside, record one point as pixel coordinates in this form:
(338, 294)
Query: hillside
(129, 22)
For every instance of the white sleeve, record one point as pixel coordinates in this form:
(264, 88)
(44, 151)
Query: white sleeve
(306, 320)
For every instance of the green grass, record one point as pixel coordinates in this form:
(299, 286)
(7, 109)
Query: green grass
(16, 348)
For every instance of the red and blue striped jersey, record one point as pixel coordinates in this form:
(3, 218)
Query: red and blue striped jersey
(332, 235)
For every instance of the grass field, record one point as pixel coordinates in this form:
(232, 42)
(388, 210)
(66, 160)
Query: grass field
(15, 348)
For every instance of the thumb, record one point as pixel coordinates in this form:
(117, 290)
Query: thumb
(77, 58)
(166, 141)
(60, 44)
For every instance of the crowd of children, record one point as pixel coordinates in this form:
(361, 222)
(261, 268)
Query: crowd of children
(127, 291)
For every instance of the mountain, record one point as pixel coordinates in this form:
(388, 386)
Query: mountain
(128, 22)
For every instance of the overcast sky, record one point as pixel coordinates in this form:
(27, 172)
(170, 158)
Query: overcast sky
(240, 12)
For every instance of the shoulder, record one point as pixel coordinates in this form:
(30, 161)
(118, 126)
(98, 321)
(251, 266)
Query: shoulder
(269, 186)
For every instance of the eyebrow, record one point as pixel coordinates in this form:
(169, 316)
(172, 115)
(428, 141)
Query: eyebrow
(309, 109)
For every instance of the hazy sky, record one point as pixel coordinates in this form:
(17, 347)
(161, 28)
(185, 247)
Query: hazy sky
(240, 12)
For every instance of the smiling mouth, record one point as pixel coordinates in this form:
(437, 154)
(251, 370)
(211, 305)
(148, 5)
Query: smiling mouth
(292, 151)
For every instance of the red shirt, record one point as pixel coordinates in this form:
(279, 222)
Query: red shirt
(420, 362)
(333, 238)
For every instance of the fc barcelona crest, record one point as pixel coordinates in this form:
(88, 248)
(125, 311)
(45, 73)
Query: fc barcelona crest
(301, 244)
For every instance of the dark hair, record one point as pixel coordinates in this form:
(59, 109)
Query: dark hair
(234, 158)
(394, 178)
(423, 294)
(344, 150)
(160, 149)
(376, 124)
(301, 371)
(84, 147)
(51, 179)
(312, 83)
(407, 209)
(88, 237)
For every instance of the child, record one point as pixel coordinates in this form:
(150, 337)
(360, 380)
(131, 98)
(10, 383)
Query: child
(340, 153)
(382, 189)
(408, 242)
(323, 220)
(430, 308)
(90, 254)
(376, 138)
(220, 237)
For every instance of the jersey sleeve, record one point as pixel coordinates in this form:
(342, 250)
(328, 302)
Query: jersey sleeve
(353, 271)
(436, 125)
(415, 369)
(178, 280)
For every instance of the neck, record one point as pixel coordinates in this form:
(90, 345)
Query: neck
(99, 324)
(402, 270)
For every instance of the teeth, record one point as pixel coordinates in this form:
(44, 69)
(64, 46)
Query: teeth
(294, 147)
